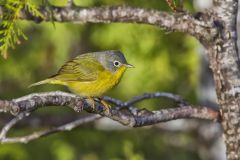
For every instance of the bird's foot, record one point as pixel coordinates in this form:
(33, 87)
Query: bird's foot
(106, 106)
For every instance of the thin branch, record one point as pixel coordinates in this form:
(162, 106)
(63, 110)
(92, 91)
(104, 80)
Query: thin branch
(114, 101)
(10, 124)
(138, 99)
(200, 27)
(170, 96)
(66, 127)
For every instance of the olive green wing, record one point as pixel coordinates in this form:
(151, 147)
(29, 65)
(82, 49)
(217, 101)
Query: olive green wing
(82, 68)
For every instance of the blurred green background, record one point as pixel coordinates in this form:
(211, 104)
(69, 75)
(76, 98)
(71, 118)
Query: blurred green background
(164, 62)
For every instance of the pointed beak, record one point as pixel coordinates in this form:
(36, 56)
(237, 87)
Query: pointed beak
(129, 66)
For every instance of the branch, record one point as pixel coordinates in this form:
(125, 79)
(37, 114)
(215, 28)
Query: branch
(123, 112)
(25, 139)
(180, 22)
(10, 124)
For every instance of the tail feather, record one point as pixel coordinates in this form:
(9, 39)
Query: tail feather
(40, 83)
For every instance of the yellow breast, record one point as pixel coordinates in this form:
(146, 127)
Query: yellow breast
(105, 81)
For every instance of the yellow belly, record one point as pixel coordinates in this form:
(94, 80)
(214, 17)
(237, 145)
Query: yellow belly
(105, 81)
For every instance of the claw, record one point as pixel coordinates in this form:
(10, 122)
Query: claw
(107, 107)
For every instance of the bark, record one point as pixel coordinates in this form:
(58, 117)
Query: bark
(224, 62)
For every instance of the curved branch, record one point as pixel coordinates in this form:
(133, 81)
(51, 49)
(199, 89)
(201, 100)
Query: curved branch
(10, 124)
(35, 135)
(140, 98)
(180, 22)
(170, 96)
(128, 116)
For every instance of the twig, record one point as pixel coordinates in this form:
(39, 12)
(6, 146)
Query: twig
(66, 127)
(138, 99)
(172, 5)
(170, 96)
(114, 101)
(10, 124)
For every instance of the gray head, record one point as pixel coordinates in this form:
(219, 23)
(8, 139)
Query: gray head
(112, 60)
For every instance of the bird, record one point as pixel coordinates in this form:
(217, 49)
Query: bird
(90, 74)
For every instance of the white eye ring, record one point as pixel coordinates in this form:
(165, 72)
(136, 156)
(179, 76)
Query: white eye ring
(116, 63)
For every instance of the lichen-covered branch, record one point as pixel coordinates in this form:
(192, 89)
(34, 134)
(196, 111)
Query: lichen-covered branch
(179, 21)
(123, 112)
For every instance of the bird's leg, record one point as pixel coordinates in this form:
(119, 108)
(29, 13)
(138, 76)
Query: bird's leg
(105, 105)
(91, 101)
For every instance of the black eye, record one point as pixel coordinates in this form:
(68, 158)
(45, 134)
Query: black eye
(116, 63)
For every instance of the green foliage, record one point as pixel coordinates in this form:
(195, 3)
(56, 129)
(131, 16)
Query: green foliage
(7, 152)
(128, 151)
(10, 32)
(62, 150)
(33, 9)
(92, 144)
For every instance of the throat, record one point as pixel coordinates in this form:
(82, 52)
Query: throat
(118, 74)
